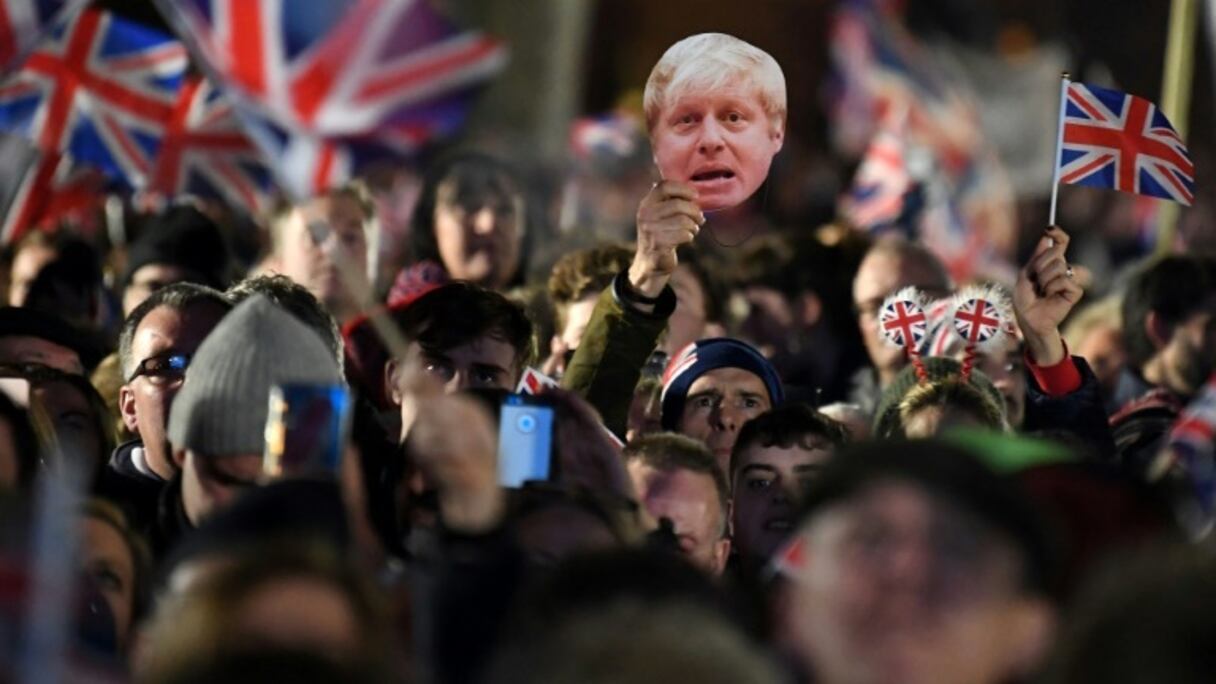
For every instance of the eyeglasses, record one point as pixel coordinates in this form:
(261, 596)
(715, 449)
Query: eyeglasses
(162, 369)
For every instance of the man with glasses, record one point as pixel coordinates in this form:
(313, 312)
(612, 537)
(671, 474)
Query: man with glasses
(891, 265)
(157, 341)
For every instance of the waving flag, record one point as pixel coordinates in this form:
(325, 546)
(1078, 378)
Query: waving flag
(99, 90)
(204, 151)
(325, 86)
(51, 189)
(22, 23)
(882, 180)
(1123, 142)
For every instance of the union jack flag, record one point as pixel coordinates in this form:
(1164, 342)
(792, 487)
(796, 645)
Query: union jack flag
(1123, 142)
(903, 323)
(881, 182)
(22, 23)
(99, 90)
(204, 151)
(1192, 445)
(977, 321)
(338, 67)
(51, 189)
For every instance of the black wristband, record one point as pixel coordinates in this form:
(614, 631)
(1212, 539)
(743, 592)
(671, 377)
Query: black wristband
(627, 293)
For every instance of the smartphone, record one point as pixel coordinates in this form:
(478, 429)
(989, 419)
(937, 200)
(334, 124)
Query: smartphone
(307, 430)
(525, 439)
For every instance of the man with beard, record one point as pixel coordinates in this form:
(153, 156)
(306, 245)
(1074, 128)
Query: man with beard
(1169, 327)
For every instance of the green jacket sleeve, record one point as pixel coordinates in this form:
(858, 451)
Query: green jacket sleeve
(614, 348)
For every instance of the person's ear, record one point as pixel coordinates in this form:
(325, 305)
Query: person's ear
(810, 309)
(777, 135)
(126, 409)
(179, 458)
(1157, 329)
(392, 390)
(721, 555)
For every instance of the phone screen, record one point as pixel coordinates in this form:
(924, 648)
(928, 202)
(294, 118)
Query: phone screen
(525, 440)
(307, 429)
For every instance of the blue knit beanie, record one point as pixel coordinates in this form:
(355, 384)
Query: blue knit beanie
(702, 356)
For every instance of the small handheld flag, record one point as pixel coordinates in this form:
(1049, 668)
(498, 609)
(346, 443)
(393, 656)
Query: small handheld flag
(1110, 139)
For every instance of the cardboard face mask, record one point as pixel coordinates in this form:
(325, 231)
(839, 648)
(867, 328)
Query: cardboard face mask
(715, 107)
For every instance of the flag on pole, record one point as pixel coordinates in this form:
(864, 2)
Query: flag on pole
(23, 22)
(1122, 142)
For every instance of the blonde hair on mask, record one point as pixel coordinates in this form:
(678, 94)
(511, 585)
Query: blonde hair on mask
(708, 61)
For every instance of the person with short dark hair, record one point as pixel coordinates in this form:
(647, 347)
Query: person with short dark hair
(310, 239)
(179, 244)
(576, 282)
(296, 300)
(915, 562)
(678, 479)
(155, 346)
(776, 456)
(1169, 327)
(471, 222)
(462, 336)
(33, 336)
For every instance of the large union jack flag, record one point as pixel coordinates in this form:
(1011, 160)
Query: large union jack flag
(323, 87)
(336, 67)
(22, 23)
(204, 151)
(98, 89)
(1123, 142)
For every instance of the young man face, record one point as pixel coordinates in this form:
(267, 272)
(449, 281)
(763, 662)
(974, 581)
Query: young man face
(900, 585)
(880, 275)
(767, 486)
(479, 236)
(313, 264)
(144, 401)
(721, 142)
(690, 500)
(718, 403)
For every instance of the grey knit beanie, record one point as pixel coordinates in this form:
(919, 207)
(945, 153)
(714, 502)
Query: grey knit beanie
(221, 409)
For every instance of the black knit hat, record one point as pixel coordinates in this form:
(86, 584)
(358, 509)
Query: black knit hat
(184, 237)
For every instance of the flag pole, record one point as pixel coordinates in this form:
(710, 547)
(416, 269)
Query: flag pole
(1176, 99)
(1055, 172)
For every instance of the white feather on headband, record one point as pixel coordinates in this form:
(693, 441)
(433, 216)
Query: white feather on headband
(982, 316)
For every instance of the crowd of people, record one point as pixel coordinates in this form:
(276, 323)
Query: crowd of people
(744, 479)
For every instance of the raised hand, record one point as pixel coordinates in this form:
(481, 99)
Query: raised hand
(1044, 295)
(667, 218)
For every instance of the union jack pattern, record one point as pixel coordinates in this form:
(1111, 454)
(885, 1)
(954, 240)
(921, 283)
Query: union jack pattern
(205, 152)
(1123, 142)
(22, 23)
(100, 89)
(903, 323)
(977, 321)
